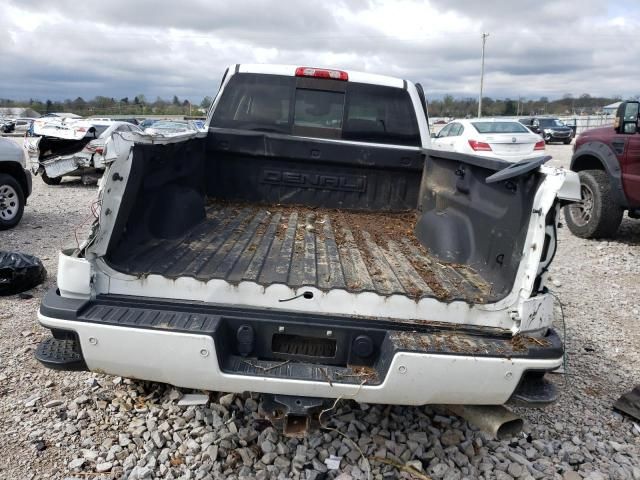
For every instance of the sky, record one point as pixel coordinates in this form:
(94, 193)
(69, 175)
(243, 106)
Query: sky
(119, 48)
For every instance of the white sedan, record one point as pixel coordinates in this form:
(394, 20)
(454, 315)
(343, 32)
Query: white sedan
(504, 139)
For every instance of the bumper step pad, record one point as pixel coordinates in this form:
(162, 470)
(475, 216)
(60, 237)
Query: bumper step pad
(61, 354)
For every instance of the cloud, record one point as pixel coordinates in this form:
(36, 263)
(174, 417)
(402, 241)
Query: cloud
(120, 48)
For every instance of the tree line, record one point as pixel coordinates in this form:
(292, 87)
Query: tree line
(584, 104)
(447, 106)
(137, 106)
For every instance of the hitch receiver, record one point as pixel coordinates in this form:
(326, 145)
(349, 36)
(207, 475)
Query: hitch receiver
(293, 416)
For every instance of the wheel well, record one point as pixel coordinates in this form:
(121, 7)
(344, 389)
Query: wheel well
(586, 162)
(16, 171)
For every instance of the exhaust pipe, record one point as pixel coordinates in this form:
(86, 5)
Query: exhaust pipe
(496, 420)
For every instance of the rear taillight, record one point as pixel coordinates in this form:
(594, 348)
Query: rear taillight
(539, 145)
(99, 149)
(479, 146)
(321, 73)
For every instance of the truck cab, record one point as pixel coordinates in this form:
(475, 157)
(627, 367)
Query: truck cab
(608, 162)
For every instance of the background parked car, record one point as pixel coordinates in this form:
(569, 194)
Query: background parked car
(71, 148)
(15, 183)
(147, 122)
(23, 125)
(550, 129)
(7, 125)
(506, 139)
(608, 162)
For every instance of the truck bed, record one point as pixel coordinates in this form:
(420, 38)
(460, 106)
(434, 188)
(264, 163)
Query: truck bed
(301, 246)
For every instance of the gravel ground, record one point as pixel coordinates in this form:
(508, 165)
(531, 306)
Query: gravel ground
(83, 425)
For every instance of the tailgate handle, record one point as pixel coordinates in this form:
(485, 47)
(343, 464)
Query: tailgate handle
(462, 182)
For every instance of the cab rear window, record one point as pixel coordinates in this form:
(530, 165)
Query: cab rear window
(347, 111)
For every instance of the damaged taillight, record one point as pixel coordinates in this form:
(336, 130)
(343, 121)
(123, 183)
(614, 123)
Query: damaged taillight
(539, 145)
(90, 148)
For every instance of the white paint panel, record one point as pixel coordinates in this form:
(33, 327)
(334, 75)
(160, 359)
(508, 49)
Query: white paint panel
(338, 302)
(74, 276)
(290, 70)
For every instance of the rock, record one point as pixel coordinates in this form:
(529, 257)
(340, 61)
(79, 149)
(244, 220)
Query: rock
(157, 439)
(53, 403)
(104, 467)
(90, 455)
(81, 400)
(76, 464)
(193, 399)
(500, 475)
(451, 437)
(268, 458)
(31, 400)
(571, 475)
(175, 394)
(227, 400)
(140, 473)
(251, 405)
(515, 470)
(516, 457)
(267, 446)
(211, 453)
(439, 470)
(333, 462)
(415, 464)
(282, 463)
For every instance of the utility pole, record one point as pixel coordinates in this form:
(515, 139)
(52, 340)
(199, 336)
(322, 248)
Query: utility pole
(484, 40)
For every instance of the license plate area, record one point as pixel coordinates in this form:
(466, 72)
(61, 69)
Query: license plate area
(300, 345)
(296, 341)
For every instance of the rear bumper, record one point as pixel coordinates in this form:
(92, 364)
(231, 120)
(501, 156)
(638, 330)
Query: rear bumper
(194, 346)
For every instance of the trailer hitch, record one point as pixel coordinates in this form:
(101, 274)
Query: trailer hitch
(293, 416)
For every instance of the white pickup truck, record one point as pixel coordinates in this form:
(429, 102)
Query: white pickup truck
(311, 246)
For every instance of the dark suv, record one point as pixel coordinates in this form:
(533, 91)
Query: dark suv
(549, 128)
(608, 162)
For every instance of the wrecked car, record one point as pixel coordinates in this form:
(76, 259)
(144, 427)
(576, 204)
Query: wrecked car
(69, 147)
(171, 127)
(310, 245)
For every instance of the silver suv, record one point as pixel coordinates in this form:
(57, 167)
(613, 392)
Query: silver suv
(15, 183)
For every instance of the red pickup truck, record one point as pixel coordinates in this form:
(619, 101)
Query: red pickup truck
(608, 162)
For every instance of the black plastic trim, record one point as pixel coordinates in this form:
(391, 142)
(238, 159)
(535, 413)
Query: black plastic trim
(209, 317)
(62, 308)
